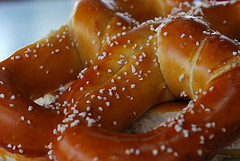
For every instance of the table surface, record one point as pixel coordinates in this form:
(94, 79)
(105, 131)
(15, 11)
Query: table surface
(23, 22)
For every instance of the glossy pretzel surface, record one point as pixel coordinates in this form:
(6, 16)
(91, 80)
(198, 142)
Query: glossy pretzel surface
(129, 68)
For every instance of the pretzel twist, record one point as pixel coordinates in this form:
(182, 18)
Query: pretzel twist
(208, 67)
(186, 67)
(107, 101)
(30, 72)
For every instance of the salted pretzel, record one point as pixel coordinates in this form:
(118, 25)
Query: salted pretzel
(153, 144)
(202, 63)
(53, 61)
(86, 98)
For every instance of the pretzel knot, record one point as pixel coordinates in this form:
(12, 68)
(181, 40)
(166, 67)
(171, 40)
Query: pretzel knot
(124, 67)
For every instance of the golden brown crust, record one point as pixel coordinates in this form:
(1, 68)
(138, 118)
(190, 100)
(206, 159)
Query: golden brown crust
(227, 17)
(32, 63)
(30, 73)
(151, 9)
(124, 78)
(200, 128)
(177, 68)
(88, 30)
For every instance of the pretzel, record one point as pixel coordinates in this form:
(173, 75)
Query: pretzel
(184, 60)
(69, 44)
(164, 142)
(227, 19)
(32, 67)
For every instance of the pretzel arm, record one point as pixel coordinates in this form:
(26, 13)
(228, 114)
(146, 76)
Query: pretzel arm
(23, 123)
(113, 57)
(227, 18)
(199, 130)
(151, 9)
(33, 65)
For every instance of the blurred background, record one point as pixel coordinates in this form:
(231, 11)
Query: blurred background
(24, 21)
